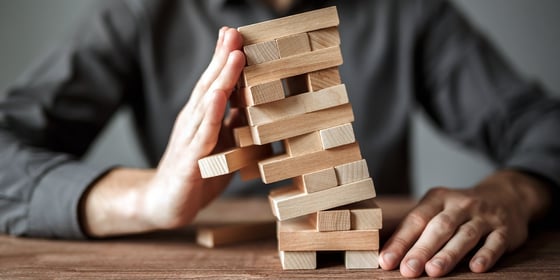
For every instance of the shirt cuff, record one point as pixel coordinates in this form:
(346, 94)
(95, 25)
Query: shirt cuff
(53, 211)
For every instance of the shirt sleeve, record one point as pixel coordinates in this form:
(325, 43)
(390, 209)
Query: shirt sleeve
(51, 115)
(474, 96)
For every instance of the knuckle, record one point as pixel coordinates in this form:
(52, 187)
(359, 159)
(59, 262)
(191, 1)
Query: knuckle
(417, 219)
(437, 191)
(470, 232)
(500, 237)
(468, 203)
(443, 223)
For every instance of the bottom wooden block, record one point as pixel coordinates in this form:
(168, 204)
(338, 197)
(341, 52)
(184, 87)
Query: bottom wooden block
(298, 260)
(361, 259)
(213, 236)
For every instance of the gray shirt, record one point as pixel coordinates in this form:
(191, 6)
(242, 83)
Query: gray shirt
(147, 55)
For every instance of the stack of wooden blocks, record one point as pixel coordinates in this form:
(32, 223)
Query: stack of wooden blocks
(291, 92)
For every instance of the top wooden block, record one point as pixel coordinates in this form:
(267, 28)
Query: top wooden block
(286, 26)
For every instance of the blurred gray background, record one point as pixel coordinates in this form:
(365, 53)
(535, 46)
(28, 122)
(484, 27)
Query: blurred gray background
(528, 33)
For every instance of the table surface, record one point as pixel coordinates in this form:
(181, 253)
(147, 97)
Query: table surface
(174, 254)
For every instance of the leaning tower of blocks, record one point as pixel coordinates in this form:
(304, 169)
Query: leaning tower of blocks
(291, 92)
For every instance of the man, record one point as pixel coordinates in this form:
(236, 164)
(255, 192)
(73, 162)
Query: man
(149, 54)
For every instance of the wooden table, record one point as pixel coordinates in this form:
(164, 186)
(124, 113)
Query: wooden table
(175, 254)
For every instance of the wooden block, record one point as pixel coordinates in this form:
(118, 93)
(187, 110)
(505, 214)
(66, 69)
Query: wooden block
(337, 136)
(276, 28)
(292, 66)
(331, 220)
(263, 93)
(361, 259)
(261, 52)
(301, 124)
(364, 215)
(351, 172)
(298, 260)
(242, 136)
(250, 172)
(293, 44)
(231, 160)
(284, 167)
(212, 236)
(299, 235)
(290, 202)
(324, 38)
(323, 79)
(304, 144)
(297, 105)
(316, 181)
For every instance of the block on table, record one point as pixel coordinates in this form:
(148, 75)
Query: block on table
(361, 259)
(298, 260)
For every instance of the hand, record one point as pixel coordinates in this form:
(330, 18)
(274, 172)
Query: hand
(131, 201)
(447, 224)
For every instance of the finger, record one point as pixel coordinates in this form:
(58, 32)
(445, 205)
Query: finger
(232, 41)
(209, 129)
(224, 84)
(493, 248)
(409, 230)
(438, 231)
(459, 245)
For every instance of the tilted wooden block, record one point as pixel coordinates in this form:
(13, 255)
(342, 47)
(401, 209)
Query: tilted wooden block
(250, 172)
(293, 44)
(262, 94)
(290, 202)
(231, 160)
(303, 144)
(212, 236)
(299, 235)
(301, 124)
(337, 136)
(351, 172)
(284, 167)
(242, 136)
(316, 181)
(323, 79)
(361, 259)
(261, 52)
(298, 260)
(330, 220)
(292, 66)
(324, 38)
(297, 105)
(276, 28)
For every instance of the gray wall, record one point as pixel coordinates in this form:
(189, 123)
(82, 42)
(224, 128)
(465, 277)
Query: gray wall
(527, 32)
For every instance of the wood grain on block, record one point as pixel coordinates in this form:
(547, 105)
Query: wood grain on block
(364, 215)
(261, 52)
(361, 259)
(242, 136)
(297, 105)
(301, 124)
(304, 144)
(316, 181)
(290, 202)
(263, 93)
(324, 38)
(299, 235)
(219, 235)
(293, 44)
(298, 260)
(284, 167)
(337, 136)
(350, 172)
(292, 66)
(231, 160)
(331, 220)
(323, 79)
(276, 28)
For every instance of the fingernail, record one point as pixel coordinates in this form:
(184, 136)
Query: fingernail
(480, 261)
(390, 258)
(439, 263)
(414, 264)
